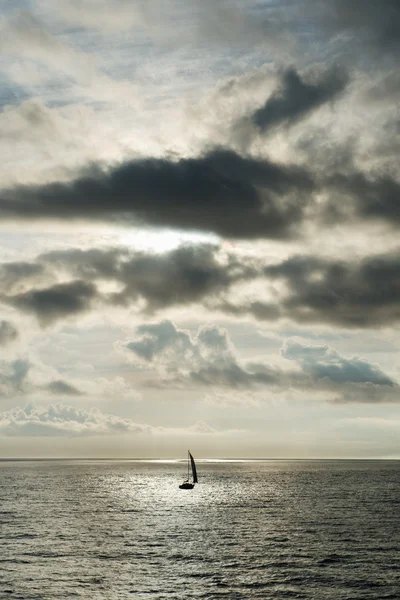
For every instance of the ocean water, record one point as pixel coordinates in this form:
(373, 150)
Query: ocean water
(253, 529)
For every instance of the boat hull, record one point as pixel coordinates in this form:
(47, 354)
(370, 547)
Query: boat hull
(186, 486)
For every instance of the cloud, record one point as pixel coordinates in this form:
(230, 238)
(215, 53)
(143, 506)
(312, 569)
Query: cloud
(346, 380)
(13, 376)
(223, 192)
(62, 420)
(61, 387)
(202, 427)
(295, 98)
(26, 38)
(26, 377)
(16, 276)
(210, 359)
(262, 199)
(8, 333)
(173, 24)
(190, 274)
(325, 362)
(352, 293)
(355, 293)
(114, 388)
(376, 24)
(207, 359)
(57, 420)
(186, 275)
(59, 301)
(29, 121)
(371, 198)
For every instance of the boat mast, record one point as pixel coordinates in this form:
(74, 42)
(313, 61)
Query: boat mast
(188, 465)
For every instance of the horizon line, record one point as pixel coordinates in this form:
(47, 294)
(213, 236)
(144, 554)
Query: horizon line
(166, 458)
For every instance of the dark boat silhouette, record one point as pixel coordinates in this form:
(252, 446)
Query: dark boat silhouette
(188, 485)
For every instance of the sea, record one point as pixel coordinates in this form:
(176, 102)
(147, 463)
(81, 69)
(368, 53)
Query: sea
(116, 529)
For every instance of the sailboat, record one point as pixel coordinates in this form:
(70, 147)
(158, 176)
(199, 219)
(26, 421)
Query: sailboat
(187, 485)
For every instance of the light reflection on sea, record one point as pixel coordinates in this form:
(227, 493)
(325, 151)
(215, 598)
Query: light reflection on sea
(249, 529)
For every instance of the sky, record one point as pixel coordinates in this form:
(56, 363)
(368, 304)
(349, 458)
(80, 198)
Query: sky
(199, 228)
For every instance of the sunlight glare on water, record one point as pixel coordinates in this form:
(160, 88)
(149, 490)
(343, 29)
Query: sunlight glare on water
(251, 529)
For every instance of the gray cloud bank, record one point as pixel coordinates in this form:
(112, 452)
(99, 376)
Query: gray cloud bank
(353, 293)
(187, 275)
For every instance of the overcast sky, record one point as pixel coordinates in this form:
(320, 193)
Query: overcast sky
(199, 228)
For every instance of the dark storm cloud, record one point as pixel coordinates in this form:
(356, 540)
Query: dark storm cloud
(363, 293)
(8, 333)
(220, 192)
(296, 97)
(370, 198)
(59, 301)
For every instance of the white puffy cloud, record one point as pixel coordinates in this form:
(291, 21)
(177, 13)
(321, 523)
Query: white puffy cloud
(325, 362)
(163, 342)
(207, 358)
(346, 380)
(210, 359)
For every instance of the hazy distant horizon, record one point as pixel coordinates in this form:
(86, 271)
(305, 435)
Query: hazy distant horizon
(199, 459)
